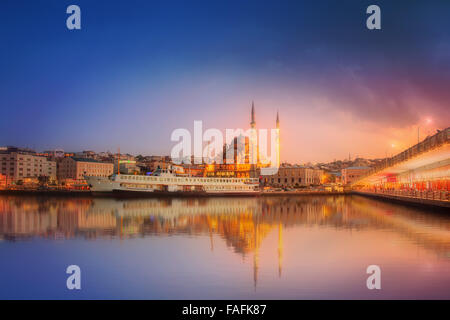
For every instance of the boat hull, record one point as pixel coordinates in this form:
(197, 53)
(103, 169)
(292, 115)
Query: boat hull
(101, 184)
(124, 187)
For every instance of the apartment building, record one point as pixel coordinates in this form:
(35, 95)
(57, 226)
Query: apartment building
(76, 168)
(17, 164)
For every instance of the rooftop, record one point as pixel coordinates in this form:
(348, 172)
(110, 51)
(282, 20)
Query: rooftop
(87, 160)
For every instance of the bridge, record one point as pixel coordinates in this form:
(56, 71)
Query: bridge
(420, 174)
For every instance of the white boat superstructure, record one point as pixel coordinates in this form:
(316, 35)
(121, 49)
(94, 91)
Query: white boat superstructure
(165, 181)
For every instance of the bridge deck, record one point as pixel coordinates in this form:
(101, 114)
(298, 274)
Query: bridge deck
(433, 151)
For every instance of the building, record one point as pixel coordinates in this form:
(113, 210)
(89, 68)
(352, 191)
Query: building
(235, 160)
(86, 154)
(2, 181)
(75, 168)
(335, 177)
(126, 167)
(350, 174)
(194, 170)
(153, 165)
(294, 176)
(53, 154)
(16, 164)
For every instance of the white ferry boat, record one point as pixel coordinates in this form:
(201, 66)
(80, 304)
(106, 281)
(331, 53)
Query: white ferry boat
(165, 181)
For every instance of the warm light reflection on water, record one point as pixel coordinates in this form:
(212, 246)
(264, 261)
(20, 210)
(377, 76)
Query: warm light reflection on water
(293, 247)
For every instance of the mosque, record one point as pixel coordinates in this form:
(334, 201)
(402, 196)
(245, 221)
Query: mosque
(239, 164)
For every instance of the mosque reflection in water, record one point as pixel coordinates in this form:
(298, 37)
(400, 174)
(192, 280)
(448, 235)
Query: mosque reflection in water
(243, 223)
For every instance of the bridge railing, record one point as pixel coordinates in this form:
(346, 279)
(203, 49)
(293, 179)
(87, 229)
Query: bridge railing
(441, 195)
(430, 143)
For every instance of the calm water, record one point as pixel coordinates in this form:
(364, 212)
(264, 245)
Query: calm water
(221, 248)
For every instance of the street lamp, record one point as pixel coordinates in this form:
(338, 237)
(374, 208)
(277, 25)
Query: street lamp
(392, 151)
(428, 121)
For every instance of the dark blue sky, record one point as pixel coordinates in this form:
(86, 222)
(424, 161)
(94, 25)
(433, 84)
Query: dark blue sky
(139, 69)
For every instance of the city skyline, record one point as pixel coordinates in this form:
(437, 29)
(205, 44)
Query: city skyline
(133, 74)
(393, 150)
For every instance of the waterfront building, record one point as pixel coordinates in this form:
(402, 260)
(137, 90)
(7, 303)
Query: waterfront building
(17, 164)
(2, 181)
(351, 174)
(76, 168)
(294, 176)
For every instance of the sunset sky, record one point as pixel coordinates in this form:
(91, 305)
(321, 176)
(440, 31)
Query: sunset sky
(137, 70)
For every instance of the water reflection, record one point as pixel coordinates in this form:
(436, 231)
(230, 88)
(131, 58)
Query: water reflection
(242, 222)
(291, 247)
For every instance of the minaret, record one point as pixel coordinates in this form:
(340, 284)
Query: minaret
(278, 140)
(253, 140)
(278, 121)
(253, 123)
